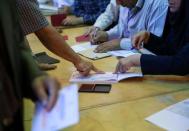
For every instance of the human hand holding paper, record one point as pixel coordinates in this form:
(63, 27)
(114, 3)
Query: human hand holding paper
(64, 113)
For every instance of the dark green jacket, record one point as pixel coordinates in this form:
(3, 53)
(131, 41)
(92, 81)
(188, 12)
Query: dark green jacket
(17, 67)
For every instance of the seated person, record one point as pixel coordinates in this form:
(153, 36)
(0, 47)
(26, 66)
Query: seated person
(86, 11)
(172, 48)
(106, 19)
(135, 16)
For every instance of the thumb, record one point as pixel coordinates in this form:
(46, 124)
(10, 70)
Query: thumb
(40, 92)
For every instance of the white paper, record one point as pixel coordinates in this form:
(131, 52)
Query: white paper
(82, 47)
(106, 78)
(146, 51)
(122, 53)
(64, 113)
(48, 7)
(173, 118)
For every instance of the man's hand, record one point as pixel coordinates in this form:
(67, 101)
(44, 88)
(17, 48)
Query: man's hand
(125, 64)
(91, 30)
(84, 67)
(99, 36)
(46, 89)
(73, 20)
(139, 38)
(108, 46)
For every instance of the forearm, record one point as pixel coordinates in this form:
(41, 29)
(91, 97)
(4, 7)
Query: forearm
(166, 65)
(56, 43)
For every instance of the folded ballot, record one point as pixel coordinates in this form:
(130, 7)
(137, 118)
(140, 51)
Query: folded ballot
(64, 113)
(106, 78)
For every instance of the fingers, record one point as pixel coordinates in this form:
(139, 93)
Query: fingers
(100, 49)
(67, 21)
(40, 91)
(46, 90)
(136, 41)
(89, 31)
(122, 66)
(44, 66)
(53, 88)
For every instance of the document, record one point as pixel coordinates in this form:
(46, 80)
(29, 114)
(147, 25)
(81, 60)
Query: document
(106, 78)
(87, 50)
(83, 47)
(173, 118)
(123, 53)
(65, 113)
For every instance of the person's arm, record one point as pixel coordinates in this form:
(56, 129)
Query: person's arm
(166, 65)
(91, 18)
(108, 17)
(53, 41)
(78, 9)
(113, 33)
(56, 43)
(156, 19)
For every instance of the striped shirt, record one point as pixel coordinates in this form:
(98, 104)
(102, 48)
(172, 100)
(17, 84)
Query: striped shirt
(151, 17)
(89, 9)
(31, 18)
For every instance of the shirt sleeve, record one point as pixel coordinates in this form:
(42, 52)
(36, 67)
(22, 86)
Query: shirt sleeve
(108, 17)
(167, 65)
(126, 44)
(157, 19)
(31, 18)
(90, 18)
(78, 9)
(114, 32)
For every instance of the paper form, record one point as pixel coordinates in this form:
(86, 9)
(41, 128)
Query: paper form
(173, 118)
(64, 113)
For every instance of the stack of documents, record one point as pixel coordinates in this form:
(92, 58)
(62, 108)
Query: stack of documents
(64, 113)
(173, 118)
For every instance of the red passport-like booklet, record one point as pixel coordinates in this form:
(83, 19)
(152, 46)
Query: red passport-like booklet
(57, 19)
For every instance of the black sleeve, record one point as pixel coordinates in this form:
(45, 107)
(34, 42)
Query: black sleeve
(167, 65)
(156, 45)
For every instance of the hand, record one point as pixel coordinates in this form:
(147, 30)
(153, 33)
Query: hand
(84, 67)
(45, 66)
(141, 37)
(125, 64)
(72, 20)
(107, 46)
(99, 36)
(46, 89)
(91, 30)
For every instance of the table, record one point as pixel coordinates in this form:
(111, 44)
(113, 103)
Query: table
(129, 101)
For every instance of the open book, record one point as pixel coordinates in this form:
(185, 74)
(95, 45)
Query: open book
(106, 78)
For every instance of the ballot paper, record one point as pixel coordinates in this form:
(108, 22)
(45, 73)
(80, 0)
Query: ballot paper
(87, 50)
(173, 118)
(83, 47)
(123, 53)
(106, 78)
(65, 113)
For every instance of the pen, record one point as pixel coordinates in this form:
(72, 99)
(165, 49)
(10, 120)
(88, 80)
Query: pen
(95, 32)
